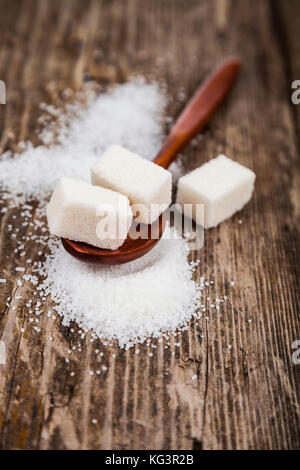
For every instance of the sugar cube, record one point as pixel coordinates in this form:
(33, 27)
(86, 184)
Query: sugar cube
(147, 185)
(90, 214)
(221, 185)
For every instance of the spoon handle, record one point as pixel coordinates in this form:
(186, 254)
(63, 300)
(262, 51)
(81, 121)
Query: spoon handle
(200, 109)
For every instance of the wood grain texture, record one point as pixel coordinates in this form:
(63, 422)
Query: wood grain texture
(246, 397)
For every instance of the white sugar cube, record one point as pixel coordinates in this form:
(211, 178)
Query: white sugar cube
(221, 185)
(82, 212)
(147, 185)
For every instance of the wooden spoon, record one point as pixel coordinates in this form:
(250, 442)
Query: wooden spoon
(191, 121)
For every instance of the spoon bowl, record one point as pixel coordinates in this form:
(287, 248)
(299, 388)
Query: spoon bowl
(131, 249)
(194, 117)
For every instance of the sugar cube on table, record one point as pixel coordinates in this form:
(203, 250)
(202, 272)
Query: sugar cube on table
(222, 185)
(147, 185)
(82, 212)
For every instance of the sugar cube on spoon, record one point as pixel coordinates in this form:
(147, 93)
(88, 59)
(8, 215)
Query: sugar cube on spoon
(221, 185)
(147, 185)
(82, 212)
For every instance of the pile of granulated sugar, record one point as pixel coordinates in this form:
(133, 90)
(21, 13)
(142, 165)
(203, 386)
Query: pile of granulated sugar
(130, 115)
(127, 303)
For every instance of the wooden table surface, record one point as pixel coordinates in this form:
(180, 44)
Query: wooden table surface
(246, 397)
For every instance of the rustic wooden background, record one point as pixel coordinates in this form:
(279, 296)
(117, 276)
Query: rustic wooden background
(246, 397)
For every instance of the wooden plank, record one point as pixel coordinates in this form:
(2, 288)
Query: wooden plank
(246, 396)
